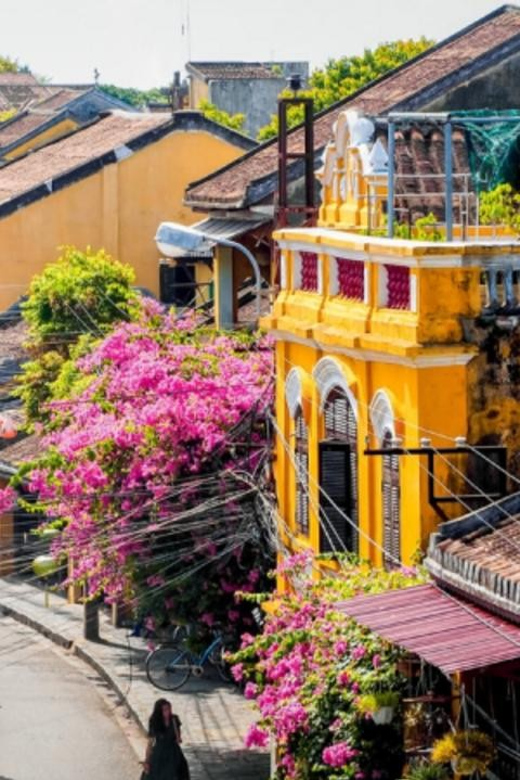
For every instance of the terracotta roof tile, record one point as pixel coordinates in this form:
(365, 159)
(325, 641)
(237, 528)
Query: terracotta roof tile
(20, 126)
(59, 99)
(479, 555)
(85, 145)
(396, 89)
(17, 90)
(22, 449)
(233, 70)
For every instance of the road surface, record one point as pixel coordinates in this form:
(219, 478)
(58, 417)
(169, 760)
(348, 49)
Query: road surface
(55, 724)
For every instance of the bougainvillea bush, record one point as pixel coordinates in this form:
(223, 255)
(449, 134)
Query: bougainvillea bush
(310, 673)
(152, 464)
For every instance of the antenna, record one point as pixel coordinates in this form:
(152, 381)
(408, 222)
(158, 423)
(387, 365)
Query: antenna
(188, 29)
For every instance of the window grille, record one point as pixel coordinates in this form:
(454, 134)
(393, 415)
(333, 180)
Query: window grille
(398, 287)
(338, 475)
(302, 474)
(309, 271)
(391, 496)
(351, 279)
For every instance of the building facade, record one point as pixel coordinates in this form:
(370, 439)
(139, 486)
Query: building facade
(249, 88)
(394, 345)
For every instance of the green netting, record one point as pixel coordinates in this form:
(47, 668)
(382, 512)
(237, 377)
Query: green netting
(493, 147)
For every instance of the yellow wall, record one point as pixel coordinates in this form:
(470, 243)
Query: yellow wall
(52, 134)
(419, 358)
(199, 91)
(118, 208)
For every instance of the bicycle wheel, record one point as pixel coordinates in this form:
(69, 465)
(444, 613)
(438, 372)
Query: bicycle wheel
(168, 667)
(216, 658)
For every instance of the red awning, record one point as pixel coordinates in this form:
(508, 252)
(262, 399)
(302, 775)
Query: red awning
(445, 631)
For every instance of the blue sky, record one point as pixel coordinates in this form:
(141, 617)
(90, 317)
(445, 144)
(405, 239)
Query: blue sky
(140, 42)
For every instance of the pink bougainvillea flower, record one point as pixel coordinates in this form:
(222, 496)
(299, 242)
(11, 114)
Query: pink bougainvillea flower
(338, 755)
(256, 737)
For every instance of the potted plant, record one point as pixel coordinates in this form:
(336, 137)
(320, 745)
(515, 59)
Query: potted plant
(380, 706)
(467, 751)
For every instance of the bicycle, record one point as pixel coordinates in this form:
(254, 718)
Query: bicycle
(169, 666)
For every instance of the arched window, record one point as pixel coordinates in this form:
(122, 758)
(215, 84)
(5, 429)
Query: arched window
(391, 498)
(301, 460)
(338, 475)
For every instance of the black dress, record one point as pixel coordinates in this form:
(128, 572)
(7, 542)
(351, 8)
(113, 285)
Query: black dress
(167, 761)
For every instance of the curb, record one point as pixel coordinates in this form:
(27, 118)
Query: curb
(76, 646)
(21, 617)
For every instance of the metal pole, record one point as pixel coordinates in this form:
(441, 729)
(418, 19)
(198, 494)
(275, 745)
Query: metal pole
(391, 178)
(448, 173)
(252, 259)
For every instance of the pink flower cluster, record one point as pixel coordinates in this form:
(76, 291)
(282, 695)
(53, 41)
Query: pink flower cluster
(339, 754)
(159, 398)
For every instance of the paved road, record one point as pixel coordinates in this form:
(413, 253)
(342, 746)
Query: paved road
(54, 723)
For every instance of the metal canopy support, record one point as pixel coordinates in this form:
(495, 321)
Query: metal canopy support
(391, 179)
(448, 174)
(284, 208)
(434, 500)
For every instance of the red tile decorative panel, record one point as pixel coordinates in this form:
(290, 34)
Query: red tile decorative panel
(397, 287)
(351, 278)
(309, 271)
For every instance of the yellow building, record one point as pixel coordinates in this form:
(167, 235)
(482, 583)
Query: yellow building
(384, 343)
(106, 185)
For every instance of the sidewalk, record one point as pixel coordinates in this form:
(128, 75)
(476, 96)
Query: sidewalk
(215, 716)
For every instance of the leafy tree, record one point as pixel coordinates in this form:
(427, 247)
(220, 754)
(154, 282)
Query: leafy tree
(342, 77)
(73, 302)
(210, 111)
(152, 467)
(137, 97)
(8, 65)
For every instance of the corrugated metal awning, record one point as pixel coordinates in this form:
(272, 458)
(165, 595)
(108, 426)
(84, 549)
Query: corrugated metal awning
(218, 227)
(215, 228)
(447, 632)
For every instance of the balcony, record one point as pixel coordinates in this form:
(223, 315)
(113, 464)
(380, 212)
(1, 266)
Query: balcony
(357, 291)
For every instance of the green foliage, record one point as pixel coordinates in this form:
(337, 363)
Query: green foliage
(82, 292)
(210, 111)
(8, 65)
(8, 114)
(423, 771)
(73, 302)
(342, 77)
(137, 97)
(371, 702)
(501, 206)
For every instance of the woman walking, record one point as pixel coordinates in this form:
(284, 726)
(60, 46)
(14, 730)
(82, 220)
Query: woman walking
(164, 757)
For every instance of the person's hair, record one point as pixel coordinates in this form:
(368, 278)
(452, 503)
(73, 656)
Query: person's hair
(156, 723)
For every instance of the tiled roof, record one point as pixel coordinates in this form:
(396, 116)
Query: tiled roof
(93, 141)
(18, 90)
(408, 87)
(22, 124)
(22, 449)
(59, 99)
(479, 556)
(419, 168)
(232, 70)
(12, 355)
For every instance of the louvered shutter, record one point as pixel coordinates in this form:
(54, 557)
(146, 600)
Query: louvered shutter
(302, 474)
(336, 533)
(391, 495)
(338, 461)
